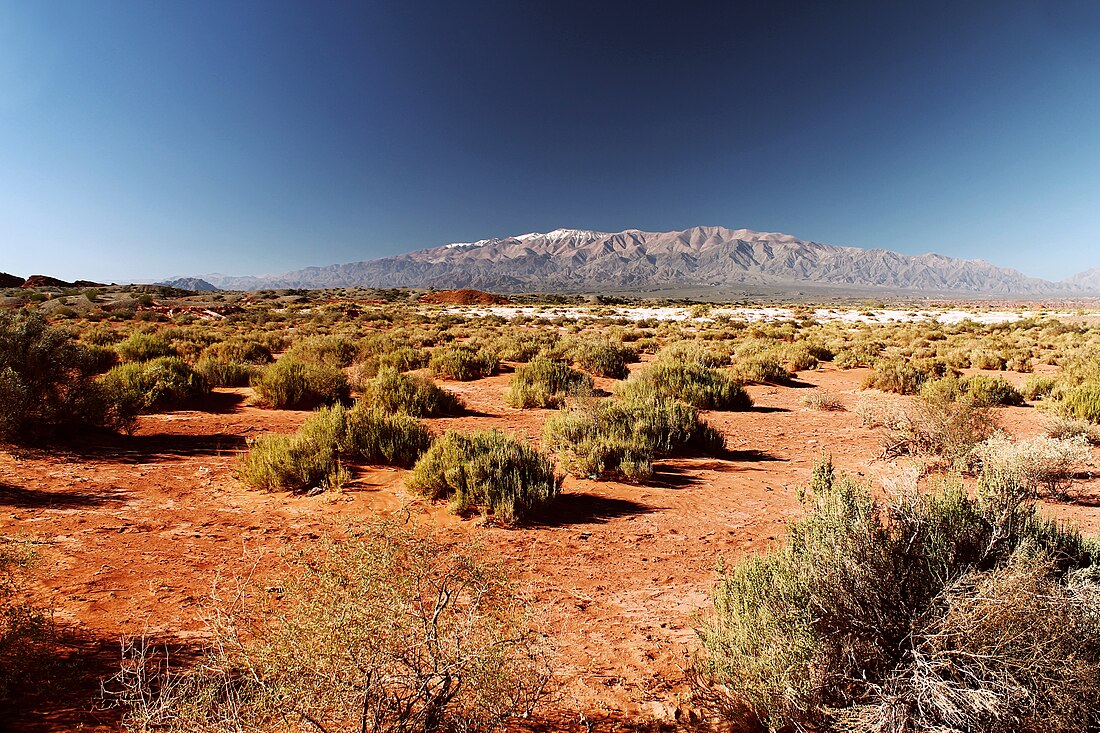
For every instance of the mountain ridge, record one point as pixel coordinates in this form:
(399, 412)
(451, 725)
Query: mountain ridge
(580, 260)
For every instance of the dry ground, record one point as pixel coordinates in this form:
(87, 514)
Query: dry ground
(133, 532)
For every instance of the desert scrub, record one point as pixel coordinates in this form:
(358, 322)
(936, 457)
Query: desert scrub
(463, 363)
(819, 399)
(25, 628)
(48, 384)
(409, 394)
(239, 351)
(488, 470)
(297, 385)
(333, 351)
(544, 382)
(385, 631)
(691, 352)
(1081, 402)
(1064, 427)
(905, 377)
(144, 346)
(1040, 465)
(601, 358)
(163, 383)
(1037, 387)
(983, 390)
(702, 387)
(218, 373)
(939, 428)
(760, 370)
(402, 359)
(927, 612)
(314, 456)
(622, 436)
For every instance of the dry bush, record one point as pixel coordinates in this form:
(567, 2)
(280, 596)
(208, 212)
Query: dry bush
(760, 370)
(24, 626)
(486, 469)
(382, 632)
(925, 613)
(543, 382)
(942, 429)
(1040, 465)
(903, 376)
(820, 399)
(401, 358)
(1065, 428)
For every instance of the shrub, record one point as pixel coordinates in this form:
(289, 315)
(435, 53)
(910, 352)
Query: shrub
(402, 359)
(218, 373)
(384, 631)
(904, 377)
(1039, 465)
(312, 457)
(621, 436)
(935, 427)
(485, 469)
(992, 391)
(934, 612)
(296, 385)
(1037, 388)
(47, 382)
(702, 387)
(602, 358)
(410, 394)
(545, 383)
(332, 351)
(690, 352)
(239, 351)
(986, 359)
(462, 363)
(1063, 428)
(23, 626)
(144, 347)
(761, 370)
(1081, 402)
(819, 399)
(163, 383)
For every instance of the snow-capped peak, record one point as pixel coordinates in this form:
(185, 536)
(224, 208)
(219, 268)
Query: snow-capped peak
(478, 243)
(559, 234)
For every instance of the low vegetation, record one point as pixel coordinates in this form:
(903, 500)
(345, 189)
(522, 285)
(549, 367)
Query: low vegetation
(409, 394)
(463, 363)
(927, 612)
(485, 470)
(700, 386)
(315, 456)
(384, 631)
(289, 384)
(543, 382)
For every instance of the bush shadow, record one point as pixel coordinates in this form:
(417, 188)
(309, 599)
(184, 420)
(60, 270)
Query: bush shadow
(571, 509)
(22, 498)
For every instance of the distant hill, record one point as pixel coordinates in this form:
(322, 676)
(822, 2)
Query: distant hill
(195, 284)
(572, 260)
(1088, 281)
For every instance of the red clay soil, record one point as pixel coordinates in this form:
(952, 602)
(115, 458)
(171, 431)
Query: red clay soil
(133, 533)
(463, 297)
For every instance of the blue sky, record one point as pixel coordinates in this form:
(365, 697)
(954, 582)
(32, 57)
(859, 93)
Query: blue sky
(140, 140)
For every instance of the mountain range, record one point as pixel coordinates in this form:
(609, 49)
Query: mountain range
(575, 260)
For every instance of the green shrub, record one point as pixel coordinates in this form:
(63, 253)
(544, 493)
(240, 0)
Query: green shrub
(144, 347)
(218, 373)
(992, 391)
(163, 383)
(313, 457)
(545, 383)
(702, 387)
(602, 358)
(760, 370)
(1081, 402)
(690, 352)
(402, 359)
(1037, 388)
(47, 382)
(904, 377)
(296, 385)
(238, 351)
(485, 469)
(332, 351)
(463, 363)
(410, 394)
(934, 612)
(621, 436)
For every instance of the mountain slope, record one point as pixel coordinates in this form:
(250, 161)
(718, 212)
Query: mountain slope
(582, 260)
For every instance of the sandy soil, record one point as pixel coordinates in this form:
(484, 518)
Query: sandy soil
(134, 531)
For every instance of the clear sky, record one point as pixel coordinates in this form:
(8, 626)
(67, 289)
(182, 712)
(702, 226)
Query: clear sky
(146, 139)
